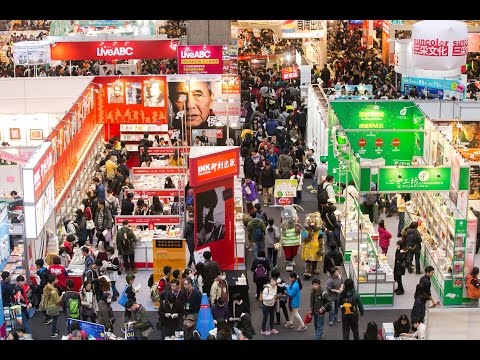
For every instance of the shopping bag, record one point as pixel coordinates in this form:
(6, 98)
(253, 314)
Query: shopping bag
(30, 312)
(308, 318)
(123, 297)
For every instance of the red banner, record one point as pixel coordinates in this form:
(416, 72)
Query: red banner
(154, 171)
(43, 172)
(131, 100)
(200, 59)
(113, 50)
(145, 220)
(70, 136)
(290, 72)
(213, 167)
(214, 225)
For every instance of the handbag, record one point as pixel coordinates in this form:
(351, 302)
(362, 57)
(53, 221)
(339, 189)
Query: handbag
(90, 224)
(308, 318)
(123, 297)
(30, 312)
(52, 311)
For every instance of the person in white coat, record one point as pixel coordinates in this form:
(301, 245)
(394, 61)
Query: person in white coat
(269, 296)
(297, 175)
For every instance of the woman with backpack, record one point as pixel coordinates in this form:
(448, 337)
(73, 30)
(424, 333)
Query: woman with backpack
(260, 268)
(293, 291)
(272, 237)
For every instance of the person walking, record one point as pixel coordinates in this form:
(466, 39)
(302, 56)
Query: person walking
(51, 302)
(272, 236)
(126, 246)
(113, 271)
(384, 237)
(401, 257)
(351, 306)
(293, 291)
(320, 304)
(334, 288)
(260, 268)
(401, 208)
(267, 181)
(414, 245)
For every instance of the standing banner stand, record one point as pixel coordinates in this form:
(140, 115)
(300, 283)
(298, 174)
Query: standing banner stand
(212, 171)
(391, 147)
(285, 191)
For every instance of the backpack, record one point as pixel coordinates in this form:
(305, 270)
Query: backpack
(371, 199)
(248, 139)
(260, 272)
(112, 207)
(323, 194)
(261, 215)
(410, 242)
(189, 198)
(154, 295)
(74, 308)
(349, 306)
(393, 205)
(257, 234)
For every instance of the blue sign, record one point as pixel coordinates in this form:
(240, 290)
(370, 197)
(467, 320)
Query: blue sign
(356, 22)
(94, 331)
(435, 88)
(397, 22)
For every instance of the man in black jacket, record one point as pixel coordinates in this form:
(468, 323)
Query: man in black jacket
(267, 180)
(414, 245)
(190, 297)
(211, 269)
(320, 304)
(170, 314)
(127, 205)
(332, 258)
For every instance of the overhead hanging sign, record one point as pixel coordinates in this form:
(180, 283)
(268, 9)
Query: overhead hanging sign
(214, 166)
(436, 88)
(290, 72)
(412, 179)
(31, 53)
(299, 29)
(113, 50)
(439, 44)
(200, 59)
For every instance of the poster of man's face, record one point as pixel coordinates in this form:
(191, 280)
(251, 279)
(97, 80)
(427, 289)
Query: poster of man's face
(115, 93)
(154, 93)
(134, 92)
(210, 216)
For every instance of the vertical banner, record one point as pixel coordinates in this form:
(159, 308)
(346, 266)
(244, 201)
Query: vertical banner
(169, 252)
(230, 59)
(214, 221)
(385, 42)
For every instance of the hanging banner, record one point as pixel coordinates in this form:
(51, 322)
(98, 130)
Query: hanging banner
(31, 52)
(290, 72)
(230, 59)
(148, 219)
(439, 44)
(113, 50)
(301, 29)
(285, 191)
(436, 88)
(197, 59)
(411, 179)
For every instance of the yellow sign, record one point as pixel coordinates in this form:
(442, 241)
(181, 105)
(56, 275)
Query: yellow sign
(169, 252)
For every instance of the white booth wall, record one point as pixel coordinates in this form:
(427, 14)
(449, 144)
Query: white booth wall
(317, 131)
(41, 94)
(449, 110)
(45, 122)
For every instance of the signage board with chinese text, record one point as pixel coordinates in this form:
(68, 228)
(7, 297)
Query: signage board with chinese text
(168, 252)
(285, 191)
(412, 179)
(197, 59)
(211, 167)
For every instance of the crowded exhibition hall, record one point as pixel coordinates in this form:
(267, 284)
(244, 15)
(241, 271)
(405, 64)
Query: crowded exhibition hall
(239, 179)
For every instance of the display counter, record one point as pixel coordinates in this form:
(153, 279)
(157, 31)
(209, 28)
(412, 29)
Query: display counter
(354, 221)
(437, 227)
(373, 275)
(144, 247)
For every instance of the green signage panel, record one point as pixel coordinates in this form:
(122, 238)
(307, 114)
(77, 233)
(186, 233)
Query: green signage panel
(369, 122)
(464, 178)
(411, 179)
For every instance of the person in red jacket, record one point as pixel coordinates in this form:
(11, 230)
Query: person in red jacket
(384, 237)
(59, 271)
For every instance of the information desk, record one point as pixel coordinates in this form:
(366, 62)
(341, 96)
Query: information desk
(232, 278)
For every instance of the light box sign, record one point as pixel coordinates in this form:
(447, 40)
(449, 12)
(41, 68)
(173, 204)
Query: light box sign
(290, 72)
(113, 50)
(365, 117)
(214, 166)
(436, 88)
(412, 179)
(200, 59)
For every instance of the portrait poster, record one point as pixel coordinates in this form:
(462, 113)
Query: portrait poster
(210, 216)
(115, 93)
(133, 92)
(154, 93)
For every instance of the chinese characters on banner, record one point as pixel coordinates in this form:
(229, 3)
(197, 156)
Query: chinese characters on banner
(309, 25)
(214, 166)
(404, 179)
(290, 72)
(285, 191)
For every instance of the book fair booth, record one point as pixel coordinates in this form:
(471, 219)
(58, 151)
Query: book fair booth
(390, 147)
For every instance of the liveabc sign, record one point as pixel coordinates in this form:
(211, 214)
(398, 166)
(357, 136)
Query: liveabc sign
(123, 50)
